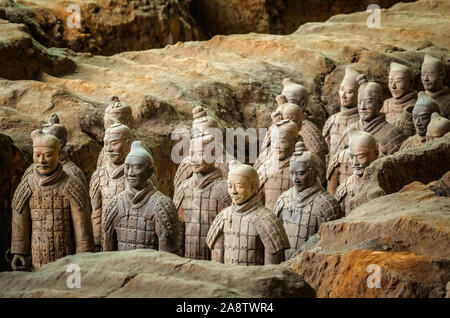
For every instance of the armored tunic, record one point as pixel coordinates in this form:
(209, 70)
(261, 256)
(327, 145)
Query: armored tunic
(313, 139)
(303, 213)
(442, 98)
(394, 107)
(50, 217)
(106, 182)
(339, 169)
(274, 179)
(198, 201)
(347, 191)
(413, 142)
(248, 232)
(336, 124)
(72, 168)
(141, 220)
(405, 123)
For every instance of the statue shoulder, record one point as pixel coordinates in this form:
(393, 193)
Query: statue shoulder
(327, 207)
(216, 228)
(166, 216)
(111, 212)
(342, 189)
(329, 123)
(282, 201)
(94, 185)
(271, 231)
(23, 191)
(76, 192)
(180, 191)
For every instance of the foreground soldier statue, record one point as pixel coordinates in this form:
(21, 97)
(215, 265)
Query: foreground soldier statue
(438, 127)
(433, 77)
(246, 233)
(305, 206)
(403, 96)
(50, 210)
(108, 180)
(421, 115)
(140, 216)
(199, 199)
(273, 173)
(53, 127)
(363, 151)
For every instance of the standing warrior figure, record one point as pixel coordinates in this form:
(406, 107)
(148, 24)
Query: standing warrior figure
(200, 198)
(403, 97)
(53, 127)
(433, 77)
(421, 114)
(140, 216)
(108, 180)
(363, 151)
(438, 127)
(305, 206)
(50, 210)
(246, 233)
(273, 173)
(310, 133)
(202, 124)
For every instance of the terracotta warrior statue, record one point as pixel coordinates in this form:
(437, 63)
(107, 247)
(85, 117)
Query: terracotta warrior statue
(108, 180)
(421, 115)
(246, 233)
(140, 216)
(273, 173)
(202, 123)
(363, 151)
(50, 210)
(433, 77)
(305, 206)
(53, 127)
(403, 96)
(199, 199)
(438, 127)
(311, 135)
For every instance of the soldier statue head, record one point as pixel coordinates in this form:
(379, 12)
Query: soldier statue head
(202, 122)
(438, 127)
(117, 141)
(370, 99)
(295, 93)
(433, 73)
(53, 127)
(363, 150)
(293, 112)
(400, 80)
(201, 161)
(284, 135)
(243, 182)
(139, 166)
(117, 111)
(276, 116)
(303, 167)
(46, 151)
(421, 113)
(348, 90)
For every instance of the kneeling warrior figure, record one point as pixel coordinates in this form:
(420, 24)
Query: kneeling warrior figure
(140, 216)
(246, 233)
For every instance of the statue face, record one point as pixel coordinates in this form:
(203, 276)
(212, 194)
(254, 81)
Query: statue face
(360, 158)
(301, 175)
(199, 163)
(283, 145)
(369, 105)
(348, 94)
(137, 172)
(421, 121)
(399, 84)
(240, 188)
(46, 159)
(116, 147)
(431, 78)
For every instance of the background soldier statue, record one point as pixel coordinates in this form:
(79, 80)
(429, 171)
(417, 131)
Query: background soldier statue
(140, 216)
(50, 210)
(433, 77)
(199, 199)
(438, 127)
(363, 151)
(53, 127)
(403, 96)
(421, 116)
(246, 233)
(108, 180)
(274, 170)
(305, 206)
